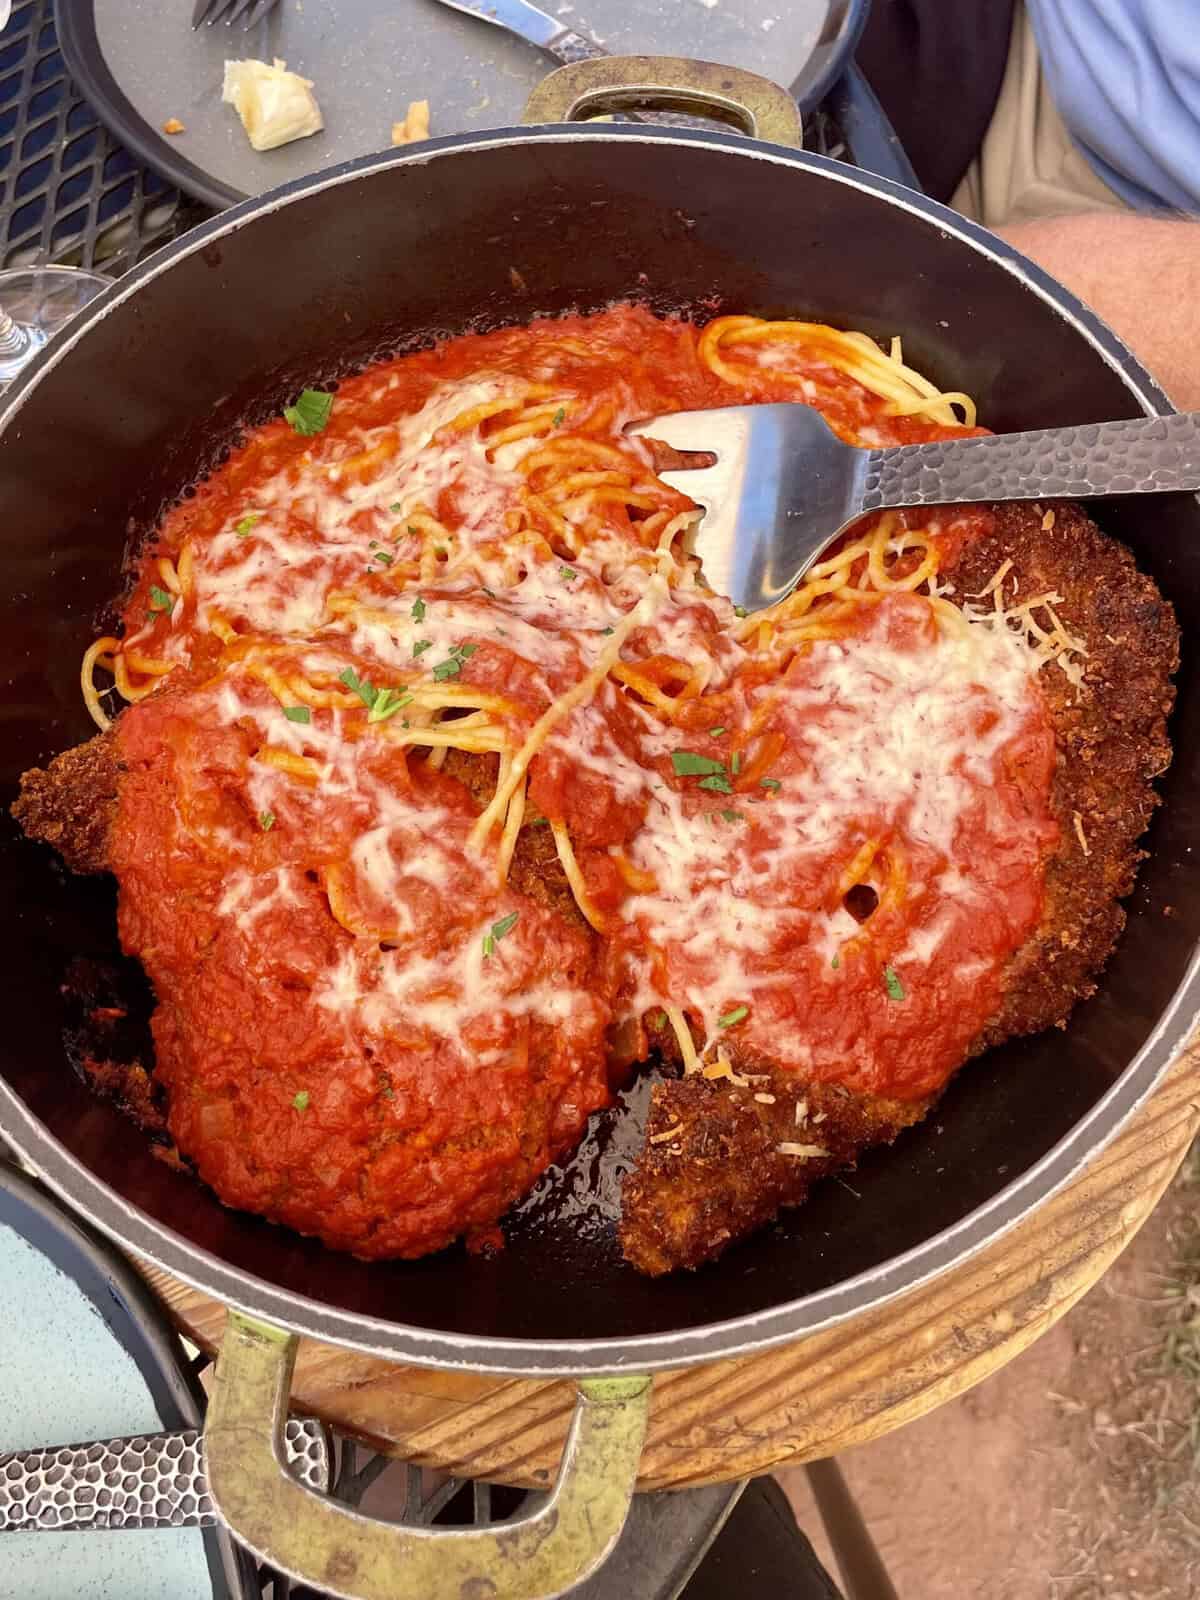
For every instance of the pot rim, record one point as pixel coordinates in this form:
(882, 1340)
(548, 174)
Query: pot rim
(755, 1331)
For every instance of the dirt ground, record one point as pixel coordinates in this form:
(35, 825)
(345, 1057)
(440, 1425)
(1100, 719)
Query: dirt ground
(1073, 1474)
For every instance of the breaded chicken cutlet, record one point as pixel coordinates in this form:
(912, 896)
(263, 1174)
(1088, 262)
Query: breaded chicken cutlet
(722, 1157)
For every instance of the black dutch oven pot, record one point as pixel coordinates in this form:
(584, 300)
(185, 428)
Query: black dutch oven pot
(316, 279)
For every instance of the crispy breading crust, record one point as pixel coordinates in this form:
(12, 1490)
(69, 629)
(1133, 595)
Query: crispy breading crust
(71, 803)
(720, 1177)
(1112, 742)
(711, 1172)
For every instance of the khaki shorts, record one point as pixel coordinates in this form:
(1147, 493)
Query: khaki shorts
(1028, 166)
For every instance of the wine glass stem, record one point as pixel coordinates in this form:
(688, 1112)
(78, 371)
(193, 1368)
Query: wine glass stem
(18, 343)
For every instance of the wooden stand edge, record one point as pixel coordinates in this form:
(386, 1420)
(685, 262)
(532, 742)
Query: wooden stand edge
(814, 1398)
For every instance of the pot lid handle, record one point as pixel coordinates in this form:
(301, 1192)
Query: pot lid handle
(753, 104)
(342, 1552)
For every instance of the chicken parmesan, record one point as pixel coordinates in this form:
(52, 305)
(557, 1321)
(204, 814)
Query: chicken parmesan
(442, 791)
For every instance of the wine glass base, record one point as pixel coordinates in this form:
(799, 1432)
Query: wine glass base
(18, 347)
(36, 303)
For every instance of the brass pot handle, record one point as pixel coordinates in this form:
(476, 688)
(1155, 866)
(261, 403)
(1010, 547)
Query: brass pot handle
(344, 1553)
(753, 104)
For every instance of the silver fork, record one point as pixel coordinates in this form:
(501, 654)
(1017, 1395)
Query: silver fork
(779, 487)
(249, 11)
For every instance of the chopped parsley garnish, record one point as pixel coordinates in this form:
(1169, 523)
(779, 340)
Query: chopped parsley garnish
(568, 573)
(739, 611)
(892, 983)
(301, 1100)
(769, 783)
(688, 764)
(380, 703)
(387, 703)
(452, 666)
(488, 592)
(559, 417)
(440, 550)
(730, 1017)
(361, 686)
(421, 646)
(715, 733)
(732, 816)
(382, 555)
(608, 630)
(250, 520)
(395, 507)
(660, 1019)
(836, 962)
(266, 820)
(297, 713)
(418, 610)
(162, 601)
(311, 411)
(497, 932)
(735, 766)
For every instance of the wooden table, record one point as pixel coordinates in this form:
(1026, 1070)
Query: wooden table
(814, 1398)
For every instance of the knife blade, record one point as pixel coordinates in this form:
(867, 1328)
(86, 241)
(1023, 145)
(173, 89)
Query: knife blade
(527, 22)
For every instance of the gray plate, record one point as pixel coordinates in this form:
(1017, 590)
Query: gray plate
(369, 58)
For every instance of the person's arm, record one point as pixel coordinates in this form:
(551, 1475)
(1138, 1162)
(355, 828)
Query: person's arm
(1141, 274)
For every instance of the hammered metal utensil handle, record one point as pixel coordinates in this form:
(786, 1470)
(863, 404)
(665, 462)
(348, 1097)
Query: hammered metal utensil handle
(1146, 456)
(156, 1480)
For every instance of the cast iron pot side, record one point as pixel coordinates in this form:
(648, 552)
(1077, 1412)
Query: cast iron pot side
(225, 326)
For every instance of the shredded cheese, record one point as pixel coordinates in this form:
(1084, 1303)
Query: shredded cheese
(1054, 643)
(1080, 835)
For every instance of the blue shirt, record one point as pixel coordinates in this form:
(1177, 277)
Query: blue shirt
(1125, 74)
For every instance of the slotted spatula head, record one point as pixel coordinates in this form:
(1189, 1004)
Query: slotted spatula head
(781, 489)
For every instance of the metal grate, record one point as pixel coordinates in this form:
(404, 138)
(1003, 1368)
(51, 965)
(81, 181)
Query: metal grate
(68, 192)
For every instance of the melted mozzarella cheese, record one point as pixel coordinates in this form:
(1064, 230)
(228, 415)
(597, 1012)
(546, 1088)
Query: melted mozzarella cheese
(907, 739)
(922, 743)
(443, 994)
(283, 574)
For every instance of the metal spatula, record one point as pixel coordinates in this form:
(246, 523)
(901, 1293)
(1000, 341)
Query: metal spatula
(783, 486)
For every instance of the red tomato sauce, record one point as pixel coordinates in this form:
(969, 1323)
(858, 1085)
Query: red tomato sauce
(371, 1025)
